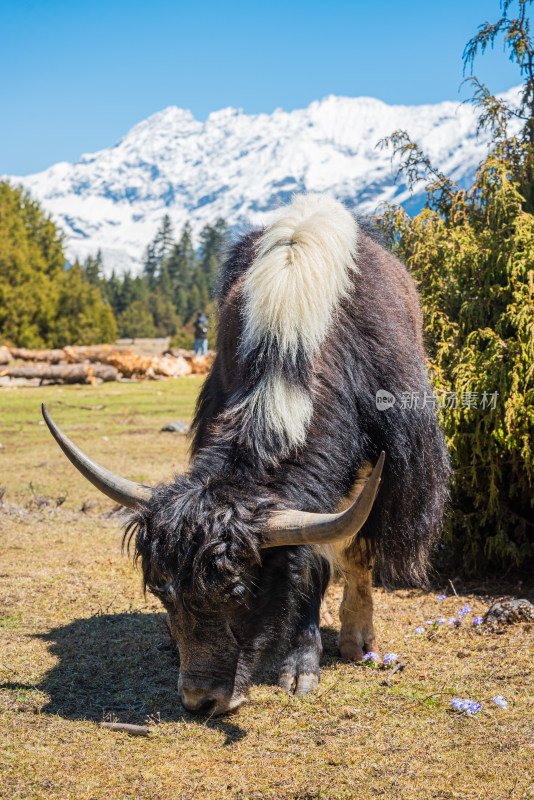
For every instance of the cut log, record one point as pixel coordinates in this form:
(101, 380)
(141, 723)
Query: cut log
(201, 365)
(73, 363)
(171, 367)
(189, 355)
(49, 356)
(97, 353)
(134, 365)
(63, 373)
(130, 364)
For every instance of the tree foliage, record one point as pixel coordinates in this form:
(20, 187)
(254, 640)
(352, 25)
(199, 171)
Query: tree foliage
(472, 255)
(176, 282)
(41, 302)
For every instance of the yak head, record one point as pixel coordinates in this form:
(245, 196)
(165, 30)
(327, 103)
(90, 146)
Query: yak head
(199, 544)
(227, 563)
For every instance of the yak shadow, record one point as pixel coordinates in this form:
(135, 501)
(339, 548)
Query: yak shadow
(117, 666)
(123, 667)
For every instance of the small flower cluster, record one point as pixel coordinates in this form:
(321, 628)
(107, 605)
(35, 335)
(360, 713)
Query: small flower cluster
(372, 658)
(465, 706)
(464, 610)
(454, 621)
(499, 700)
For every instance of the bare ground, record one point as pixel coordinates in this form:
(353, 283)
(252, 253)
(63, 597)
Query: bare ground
(79, 644)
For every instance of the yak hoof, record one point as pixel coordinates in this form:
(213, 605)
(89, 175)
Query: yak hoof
(298, 685)
(355, 651)
(299, 672)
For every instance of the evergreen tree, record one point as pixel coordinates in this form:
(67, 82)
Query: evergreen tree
(150, 265)
(472, 254)
(42, 303)
(182, 261)
(164, 316)
(136, 321)
(214, 241)
(82, 316)
(163, 241)
(92, 266)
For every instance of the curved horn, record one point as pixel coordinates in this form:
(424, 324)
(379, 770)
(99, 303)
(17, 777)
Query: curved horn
(125, 492)
(302, 527)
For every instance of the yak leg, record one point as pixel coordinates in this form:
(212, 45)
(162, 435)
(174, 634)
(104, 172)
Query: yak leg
(300, 673)
(357, 635)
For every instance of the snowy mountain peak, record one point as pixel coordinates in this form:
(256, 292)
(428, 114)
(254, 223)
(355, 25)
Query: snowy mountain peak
(242, 166)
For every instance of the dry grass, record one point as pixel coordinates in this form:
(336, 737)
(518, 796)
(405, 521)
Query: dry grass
(80, 644)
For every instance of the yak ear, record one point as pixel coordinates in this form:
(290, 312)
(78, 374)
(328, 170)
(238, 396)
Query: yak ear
(302, 527)
(123, 491)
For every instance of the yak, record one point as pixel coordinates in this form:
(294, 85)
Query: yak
(297, 466)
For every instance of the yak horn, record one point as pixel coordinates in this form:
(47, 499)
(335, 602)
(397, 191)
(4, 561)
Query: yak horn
(302, 527)
(125, 492)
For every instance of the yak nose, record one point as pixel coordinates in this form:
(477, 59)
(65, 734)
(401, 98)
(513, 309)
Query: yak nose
(201, 705)
(214, 703)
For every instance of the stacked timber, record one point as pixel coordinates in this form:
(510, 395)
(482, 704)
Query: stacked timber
(99, 363)
(64, 373)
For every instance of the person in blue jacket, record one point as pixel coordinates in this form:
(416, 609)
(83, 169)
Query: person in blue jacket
(201, 334)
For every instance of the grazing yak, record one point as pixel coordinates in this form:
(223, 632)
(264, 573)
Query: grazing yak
(317, 322)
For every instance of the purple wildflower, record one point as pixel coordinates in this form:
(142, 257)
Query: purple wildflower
(390, 658)
(465, 609)
(453, 621)
(429, 622)
(371, 656)
(442, 597)
(478, 620)
(441, 621)
(474, 708)
(466, 706)
(420, 629)
(500, 701)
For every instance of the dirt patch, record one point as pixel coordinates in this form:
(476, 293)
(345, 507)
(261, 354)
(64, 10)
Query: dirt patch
(80, 644)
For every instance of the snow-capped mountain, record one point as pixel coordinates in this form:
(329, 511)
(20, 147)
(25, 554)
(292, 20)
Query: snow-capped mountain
(241, 167)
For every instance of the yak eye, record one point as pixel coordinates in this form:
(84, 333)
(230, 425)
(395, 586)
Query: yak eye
(165, 592)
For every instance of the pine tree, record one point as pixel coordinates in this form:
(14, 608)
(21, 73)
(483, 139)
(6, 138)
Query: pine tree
(182, 260)
(41, 302)
(92, 266)
(136, 321)
(472, 255)
(163, 241)
(82, 316)
(150, 265)
(214, 240)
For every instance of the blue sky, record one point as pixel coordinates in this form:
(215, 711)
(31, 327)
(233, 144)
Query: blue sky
(77, 75)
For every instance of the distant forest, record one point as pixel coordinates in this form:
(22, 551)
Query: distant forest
(177, 280)
(43, 304)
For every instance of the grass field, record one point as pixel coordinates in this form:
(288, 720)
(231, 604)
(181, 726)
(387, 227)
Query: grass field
(79, 644)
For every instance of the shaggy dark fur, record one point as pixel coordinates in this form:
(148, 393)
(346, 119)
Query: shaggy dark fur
(199, 537)
(375, 342)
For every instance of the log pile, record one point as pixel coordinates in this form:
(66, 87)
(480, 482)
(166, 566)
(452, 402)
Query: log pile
(99, 363)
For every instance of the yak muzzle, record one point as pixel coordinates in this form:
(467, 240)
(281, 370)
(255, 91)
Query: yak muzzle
(210, 702)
